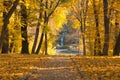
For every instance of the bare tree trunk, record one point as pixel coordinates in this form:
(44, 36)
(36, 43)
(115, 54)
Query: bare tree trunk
(5, 47)
(37, 30)
(46, 44)
(116, 50)
(106, 28)
(97, 43)
(40, 43)
(52, 7)
(6, 22)
(25, 43)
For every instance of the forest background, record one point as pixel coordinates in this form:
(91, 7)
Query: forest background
(31, 26)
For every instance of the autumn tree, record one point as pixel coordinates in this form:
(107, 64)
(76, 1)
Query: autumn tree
(97, 42)
(38, 27)
(106, 27)
(80, 9)
(24, 34)
(6, 17)
(49, 6)
(116, 50)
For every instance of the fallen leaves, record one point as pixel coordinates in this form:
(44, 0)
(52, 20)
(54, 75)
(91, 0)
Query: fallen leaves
(99, 68)
(13, 67)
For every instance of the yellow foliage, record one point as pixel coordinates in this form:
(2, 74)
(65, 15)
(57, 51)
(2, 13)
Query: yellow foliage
(60, 16)
(76, 24)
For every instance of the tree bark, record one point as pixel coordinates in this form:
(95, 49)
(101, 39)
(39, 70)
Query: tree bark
(46, 44)
(97, 42)
(37, 30)
(36, 35)
(106, 28)
(47, 14)
(116, 50)
(25, 43)
(6, 22)
(40, 43)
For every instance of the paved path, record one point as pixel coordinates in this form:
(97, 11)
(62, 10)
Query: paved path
(55, 68)
(68, 52)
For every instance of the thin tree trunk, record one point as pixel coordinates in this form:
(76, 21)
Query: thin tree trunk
(116, 50)
(106, 28)
(97, 43)
(6, 22)
(46, 44)
(46, 19)
(84, 24)
(37, 29)
(40, 43)
(36, 35)
(25, 43)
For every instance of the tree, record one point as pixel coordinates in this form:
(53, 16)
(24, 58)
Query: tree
(106, 28)
(80, 11)
(97, 42)
(37, 28)
(5, 47)
(5, 24)
(24, 34)
(116, 50)
(50, 8)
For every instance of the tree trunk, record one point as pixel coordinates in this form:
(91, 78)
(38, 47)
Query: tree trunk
(106, 28)
(37, 29)
(5, 47)
(46, 44)
(5, 24)
(25, 44)
(116, 50)
(36, 36)
(97, 42)
(40, 43)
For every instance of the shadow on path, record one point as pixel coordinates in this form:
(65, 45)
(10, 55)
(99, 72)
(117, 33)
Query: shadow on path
(55, 68)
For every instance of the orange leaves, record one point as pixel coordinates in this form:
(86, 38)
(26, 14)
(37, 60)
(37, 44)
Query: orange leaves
(95, 68)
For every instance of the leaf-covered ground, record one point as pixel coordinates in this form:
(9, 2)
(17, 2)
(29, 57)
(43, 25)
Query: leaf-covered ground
(34, 67)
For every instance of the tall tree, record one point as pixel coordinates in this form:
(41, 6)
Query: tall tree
(106, 27)
(5, 47)
(97, 42)
(80, 11)
(6, 22)
(25, 47)
(50, 8)
(37, 28)
(116, 50)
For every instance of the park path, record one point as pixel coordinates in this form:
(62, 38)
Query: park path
(55, 68)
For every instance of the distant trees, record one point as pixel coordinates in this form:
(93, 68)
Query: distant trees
(80, 11)
(99, 26)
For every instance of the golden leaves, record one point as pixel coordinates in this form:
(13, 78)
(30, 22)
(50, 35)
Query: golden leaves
(95, 68)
